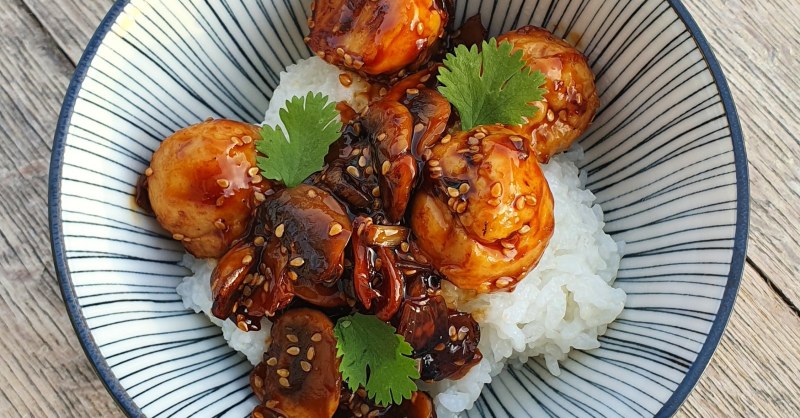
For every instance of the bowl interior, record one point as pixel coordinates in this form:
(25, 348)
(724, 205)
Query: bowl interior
(664, 157)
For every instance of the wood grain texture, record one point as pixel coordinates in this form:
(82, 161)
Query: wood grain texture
(43, 371)
(756, 43)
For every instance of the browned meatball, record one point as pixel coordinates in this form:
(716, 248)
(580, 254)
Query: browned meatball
(571, 100)
(377, 36)
(203, 183)
(485, 214)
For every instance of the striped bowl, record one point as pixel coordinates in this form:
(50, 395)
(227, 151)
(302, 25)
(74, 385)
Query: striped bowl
(665, 158)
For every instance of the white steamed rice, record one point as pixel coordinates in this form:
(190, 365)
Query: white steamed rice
(565, 303)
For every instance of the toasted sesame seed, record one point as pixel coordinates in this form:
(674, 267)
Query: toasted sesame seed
(297, 262)
(550, 115)
(434, 163)
(357, 64)
(247, 139)
(236, 141)
(404, 247)
(508, 244)
(293, 351)
(451, 331)
(473, 141)
(258, 381)
(531, 200)
(321, 54)
(253, 171)
(317, 337)
(221, 201)
(292, 276)
(282, 372)
(412, 91)
(376, 191)
(279, 230)
(335, 229)
(525, 229)
(355, 151)
(345, 79)
(178, 237)
(247, 259)
(242, 326)
(365, 407)
(266, 286)
(259, 197)
(419, 128)
(493, 202)
(306, 366)
(353, 171)
(386, 167)
(420, 28)
(461, 207)
(259, 241)
(480, 135)
(148, 172)
(311, 194)
(311, 353)
(340, 52)
(497, 190)
(284, 382)
(381, 137)
(247, 291)
(425, 78)
(452, 192)
(348, 59)
(462, 333)
(503, 282)
(464, 188)
(369, 171)
(256, 179)
(510, 253)
(520, 203)
(447, 138)
(223, 183)
(271, 403)
(292, 338)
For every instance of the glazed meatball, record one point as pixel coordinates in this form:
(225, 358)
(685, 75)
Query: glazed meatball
(377, 36)
(203, 183)
(571, 100)
(485, 213)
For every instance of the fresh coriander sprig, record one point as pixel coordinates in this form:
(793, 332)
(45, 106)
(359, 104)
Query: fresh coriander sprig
(375, 357)
(490, 86)
(312, 125)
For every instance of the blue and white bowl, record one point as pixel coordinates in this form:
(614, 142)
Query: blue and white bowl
(665, 158)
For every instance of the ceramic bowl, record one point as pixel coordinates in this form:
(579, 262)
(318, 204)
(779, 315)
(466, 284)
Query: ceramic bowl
(665, 157)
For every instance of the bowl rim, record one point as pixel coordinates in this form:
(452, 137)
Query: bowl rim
(126, 403)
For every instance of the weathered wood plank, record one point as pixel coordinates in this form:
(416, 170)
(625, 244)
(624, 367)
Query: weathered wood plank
(43, 371)
(756, 44)
(70, 22)
(754, 372)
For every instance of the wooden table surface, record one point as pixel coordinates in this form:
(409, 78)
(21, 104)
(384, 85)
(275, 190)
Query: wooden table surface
(754, 373)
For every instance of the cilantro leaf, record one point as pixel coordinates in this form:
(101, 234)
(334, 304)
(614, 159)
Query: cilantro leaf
(375, 357)
(312, 125)
(491, 86)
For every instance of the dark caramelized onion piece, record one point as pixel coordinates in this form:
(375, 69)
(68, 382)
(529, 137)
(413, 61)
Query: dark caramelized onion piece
(458, 354)
(297, 235)
(299, 376)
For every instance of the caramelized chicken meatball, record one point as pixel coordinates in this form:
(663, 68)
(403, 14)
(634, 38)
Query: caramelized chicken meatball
(377, 36)
(571, 100)
(485, 213)
(203, 183)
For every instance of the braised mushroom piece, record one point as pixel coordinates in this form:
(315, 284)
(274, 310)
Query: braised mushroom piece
(377, 37)
(299, 376)
(485, 213)
(357, 404)
(203, 184)
(571, 100)
(298, 236)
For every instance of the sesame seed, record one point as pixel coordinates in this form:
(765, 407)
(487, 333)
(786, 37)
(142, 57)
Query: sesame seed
(525, 229)
(321, 54)
(419, 128)
(412, 91)
(223, 183)
(178, 237)
(279, 230)
(247, 139)
(317, 337)
(259, 197)
(311, 353)
(420, 28)
(480, 135)
(346, 80)
(236, 141)
(242, 326)
(386, 167)
(404, 247)
(439, 347)
(253, 171)
(381, 137)
(508, 244)
(452, 192)
(348, 59)
(461, 207)
(148, 172)
(256, 179)
(502, 282)
(451, 331)
(336, 229)
(266, 286)
(447, 138)
(425, 78)
(355, 151)
(293, 351)
(297, 262)
(369, 171)
(284, 382)
(497, 190)
(362, 161)
(510, 253)
(531, 200)
(258, 381)
(282, 372)
(376, 191)
(493, 202)
(464, 188)
(520, 203)
(473, 141)
(306, 366)
(247, 259)
(357, 64)
(311, 194)
(292, 338)
(340, 52)
(462, 333)
(353, 171)
(221, 201)
(292, 276)
(550, 115)
(434, 163)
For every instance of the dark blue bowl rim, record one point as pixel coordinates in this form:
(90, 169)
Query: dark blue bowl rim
(127, 404)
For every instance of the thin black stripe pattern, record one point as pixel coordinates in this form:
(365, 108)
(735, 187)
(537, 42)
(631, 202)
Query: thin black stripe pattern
(659, 157)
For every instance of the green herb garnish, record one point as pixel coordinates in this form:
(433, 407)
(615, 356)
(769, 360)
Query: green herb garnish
(375, 357)
(312, 125)
(491, 86)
